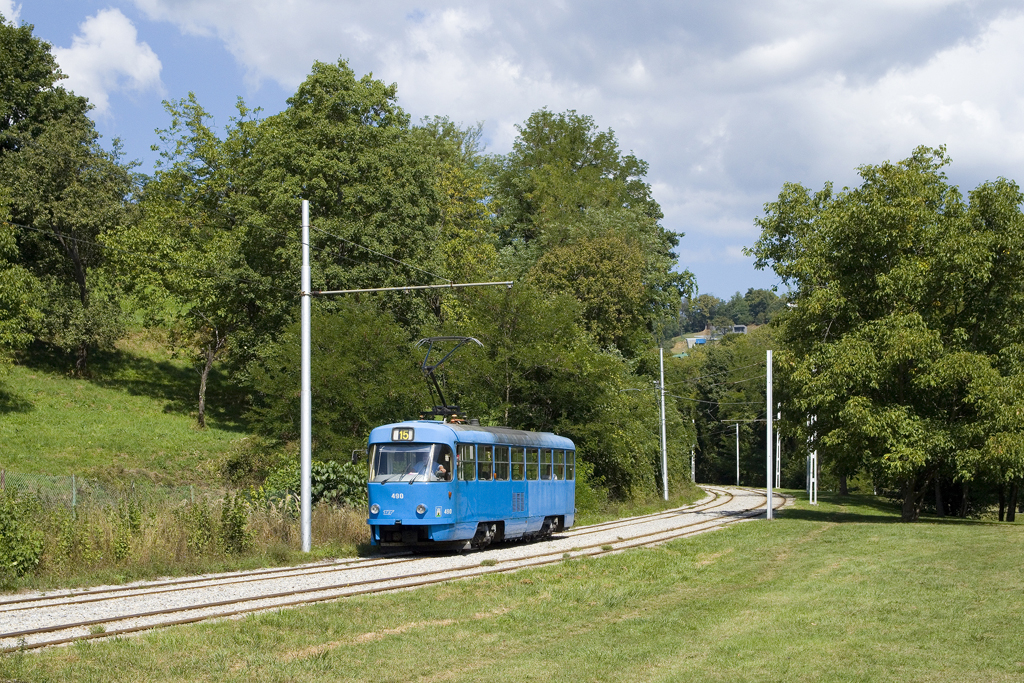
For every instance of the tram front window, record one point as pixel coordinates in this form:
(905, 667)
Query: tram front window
(411, 462)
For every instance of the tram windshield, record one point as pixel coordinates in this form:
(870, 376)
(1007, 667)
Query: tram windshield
(410, 462)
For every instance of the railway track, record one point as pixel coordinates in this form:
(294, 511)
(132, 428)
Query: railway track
(42, 620)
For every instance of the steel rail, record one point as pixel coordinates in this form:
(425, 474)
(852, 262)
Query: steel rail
(612, 523)
(460, 573)
(514, 563)
(295, 603)
(223, 579)
(83, 598)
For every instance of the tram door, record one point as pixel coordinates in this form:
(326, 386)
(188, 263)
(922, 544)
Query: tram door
(516, 524)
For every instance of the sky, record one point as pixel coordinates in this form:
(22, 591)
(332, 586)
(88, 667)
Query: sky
(725, 100)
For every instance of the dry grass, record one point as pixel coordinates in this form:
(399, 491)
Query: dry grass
(132, 541)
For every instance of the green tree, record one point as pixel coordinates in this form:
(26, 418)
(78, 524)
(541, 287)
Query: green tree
(566, 190)
(344, 144)
(560, 166)
(462, 177)
(702, 311)
(223, 214)
(364, 374)
(605, 274)
(64, 192)
(763, 305)
(186, 258)
(19, 312)
(468, 242)
(736, 310)
(540, 370)
(905, 300)
(719, 386)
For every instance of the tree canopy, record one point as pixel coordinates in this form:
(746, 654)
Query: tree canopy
(904, 332)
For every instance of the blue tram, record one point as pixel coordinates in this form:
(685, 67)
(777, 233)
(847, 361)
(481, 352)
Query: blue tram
(445, 485)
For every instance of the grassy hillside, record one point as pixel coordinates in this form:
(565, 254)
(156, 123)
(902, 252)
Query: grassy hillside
(135, 414)
(837, 592)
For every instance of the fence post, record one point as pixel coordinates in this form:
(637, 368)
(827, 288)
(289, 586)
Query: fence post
(3, 480)
(74, 493)
(192, 493)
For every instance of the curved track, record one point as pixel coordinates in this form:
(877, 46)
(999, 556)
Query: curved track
(40, 620)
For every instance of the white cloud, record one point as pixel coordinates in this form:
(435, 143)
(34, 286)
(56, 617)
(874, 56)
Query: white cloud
(10, 11)
(970, 97)
(106, 57)
(725, 100)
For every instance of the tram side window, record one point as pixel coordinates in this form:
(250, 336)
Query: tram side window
(467, 461)
(501, 463)
(559, 463)
(545, 463)
(531, 464)
(518, 463)
(570, 465)
(485, 462)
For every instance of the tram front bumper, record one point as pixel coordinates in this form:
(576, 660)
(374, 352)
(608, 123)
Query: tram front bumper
(412, 533)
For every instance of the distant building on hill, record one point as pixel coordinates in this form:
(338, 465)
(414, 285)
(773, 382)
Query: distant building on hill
(712, 333)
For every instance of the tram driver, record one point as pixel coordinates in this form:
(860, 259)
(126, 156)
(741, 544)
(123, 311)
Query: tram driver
(419, 466)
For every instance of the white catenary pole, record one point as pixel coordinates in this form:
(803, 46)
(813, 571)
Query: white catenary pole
(306, 437)
(778, 452)
(807, 466)
(664, 447)
(693, 453)
(812, 486)
(770, 479)
(737, 453)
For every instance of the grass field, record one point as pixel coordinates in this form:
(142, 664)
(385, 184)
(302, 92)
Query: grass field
(135, 415)
(839, 592)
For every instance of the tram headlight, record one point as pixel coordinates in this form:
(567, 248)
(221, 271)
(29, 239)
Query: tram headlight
(421, 509)
(374, 509)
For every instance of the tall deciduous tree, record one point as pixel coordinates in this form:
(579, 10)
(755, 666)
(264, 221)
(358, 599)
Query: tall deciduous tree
(561, 164)
(906, 298)
(566, 190)
(186, 256)
(344, 144)
(539, 370)
(19, 295)
(223, 213)
(364, 374)
(65, 190)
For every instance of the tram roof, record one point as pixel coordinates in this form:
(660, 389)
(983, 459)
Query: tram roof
(431, 430)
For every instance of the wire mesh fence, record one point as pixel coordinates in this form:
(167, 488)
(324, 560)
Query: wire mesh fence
(74, 491)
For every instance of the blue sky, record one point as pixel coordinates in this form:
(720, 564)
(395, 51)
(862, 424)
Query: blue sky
(725, 100)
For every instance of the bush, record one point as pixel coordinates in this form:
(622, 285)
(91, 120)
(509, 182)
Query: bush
(195, 521)
(21, 540)
(591, 496)
(234, 520)
(330, 482)
(338, 484)
(252, 461)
